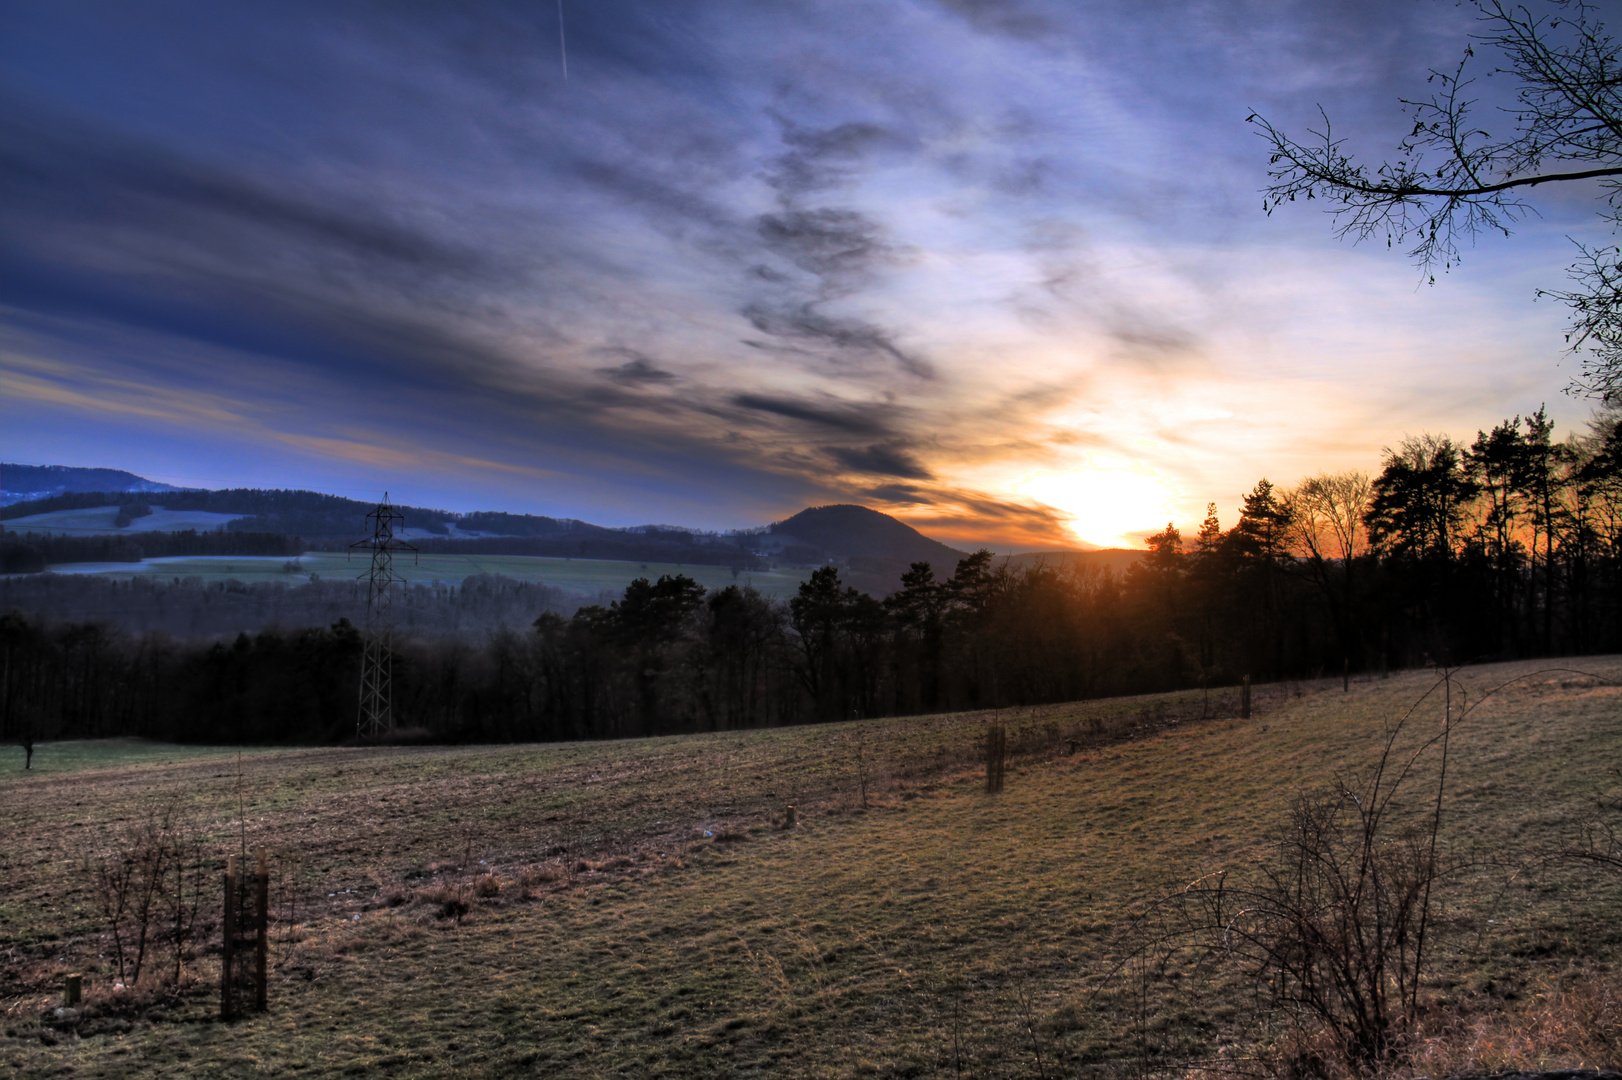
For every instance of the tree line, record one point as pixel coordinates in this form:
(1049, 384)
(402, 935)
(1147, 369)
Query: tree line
(1509, 546)
(31, 552)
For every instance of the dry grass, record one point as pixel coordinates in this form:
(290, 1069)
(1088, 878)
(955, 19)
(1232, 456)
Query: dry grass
(936, 929)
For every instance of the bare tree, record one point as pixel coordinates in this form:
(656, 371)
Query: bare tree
(1326, 515)
(1453, 178)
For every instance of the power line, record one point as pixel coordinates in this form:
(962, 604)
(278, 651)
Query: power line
(376, 719)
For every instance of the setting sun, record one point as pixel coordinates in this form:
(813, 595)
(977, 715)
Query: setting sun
(1108, 502)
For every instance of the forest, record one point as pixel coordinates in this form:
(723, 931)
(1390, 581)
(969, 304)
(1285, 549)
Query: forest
(1510, 546)
(300, 519)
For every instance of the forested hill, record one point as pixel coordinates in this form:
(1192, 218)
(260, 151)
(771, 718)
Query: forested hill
(22, 483)
(310, 514)
(855, 533)
(876, 548)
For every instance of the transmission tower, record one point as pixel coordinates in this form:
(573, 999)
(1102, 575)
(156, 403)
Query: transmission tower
(377, 666)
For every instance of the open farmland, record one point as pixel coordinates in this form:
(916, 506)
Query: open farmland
(102, 521)
(587, 576)
(641, 908)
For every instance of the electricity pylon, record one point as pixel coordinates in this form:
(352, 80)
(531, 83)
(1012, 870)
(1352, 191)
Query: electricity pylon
(377, 666)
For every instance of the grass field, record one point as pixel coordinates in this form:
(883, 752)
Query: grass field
(100, 520)
(649, 914)
(587, 576)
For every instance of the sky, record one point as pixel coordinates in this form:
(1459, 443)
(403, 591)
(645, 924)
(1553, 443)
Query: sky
(998, 268)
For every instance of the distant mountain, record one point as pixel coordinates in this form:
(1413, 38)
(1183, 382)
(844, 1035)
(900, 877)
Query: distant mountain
(876, 548)
(872, 549)
(23, 483)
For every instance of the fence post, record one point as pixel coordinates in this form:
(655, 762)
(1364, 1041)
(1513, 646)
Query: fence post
(227, 955)
(1244, 699)
(996, 755)
(261, 881)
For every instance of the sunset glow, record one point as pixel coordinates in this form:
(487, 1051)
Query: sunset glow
(1108, 503)
(729, 269)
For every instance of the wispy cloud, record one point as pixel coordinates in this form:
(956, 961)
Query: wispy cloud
(748, 257)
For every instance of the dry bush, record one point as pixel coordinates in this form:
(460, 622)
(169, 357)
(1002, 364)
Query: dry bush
(1572, 1021)
(544, 874)
(487, 886)
(147, 887)
(1339, 929)
(449, 900)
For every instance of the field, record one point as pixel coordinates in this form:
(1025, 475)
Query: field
(586, 576)
(644, 908)
(100, 520)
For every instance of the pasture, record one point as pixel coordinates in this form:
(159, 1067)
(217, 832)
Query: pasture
(645, 908)
(101, 521)
(586, 576)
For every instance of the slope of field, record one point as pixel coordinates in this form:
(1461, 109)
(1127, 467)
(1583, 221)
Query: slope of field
(585, 576)
(98, 521)
(651, 914)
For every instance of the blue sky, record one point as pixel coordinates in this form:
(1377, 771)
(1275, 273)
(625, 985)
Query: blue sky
(999, 268)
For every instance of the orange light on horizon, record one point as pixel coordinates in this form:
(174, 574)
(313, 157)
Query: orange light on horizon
(1107, 502)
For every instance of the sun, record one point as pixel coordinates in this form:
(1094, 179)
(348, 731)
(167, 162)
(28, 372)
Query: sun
(1107, 502)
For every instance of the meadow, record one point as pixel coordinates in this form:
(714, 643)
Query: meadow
(102, 520)
(586, 576)
(649, 907)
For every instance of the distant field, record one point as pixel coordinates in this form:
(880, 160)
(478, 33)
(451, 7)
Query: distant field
(587, 576)
(651, 915)
(99, 521)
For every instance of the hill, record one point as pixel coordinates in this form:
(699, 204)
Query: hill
(873, 549)
(23, 483)
(876, 547)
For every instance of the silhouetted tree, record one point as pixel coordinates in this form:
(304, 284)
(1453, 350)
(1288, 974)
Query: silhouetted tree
(1453, 178)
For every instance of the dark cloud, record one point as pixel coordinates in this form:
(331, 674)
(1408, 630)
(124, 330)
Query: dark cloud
(61, 173)
(841, 416)
(897, 493)
(847, 337)
(1014, 18)
(836, 245)
(881, 459)
(638, 370)
(823, 158)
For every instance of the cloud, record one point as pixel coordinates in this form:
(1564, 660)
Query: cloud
(1014, 18)
(825, 158)
(636, 371)
(881, 459)
(897, 493)
(846, 417)
(749, 256)
(837, 245)
(100, 187)
(845, 340)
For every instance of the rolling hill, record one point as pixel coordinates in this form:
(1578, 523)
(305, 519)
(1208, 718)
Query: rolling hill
(24, 483)
(872, 549)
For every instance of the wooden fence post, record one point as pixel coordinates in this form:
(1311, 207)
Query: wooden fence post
(261, 881)
(227, 955)
(996, 755)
